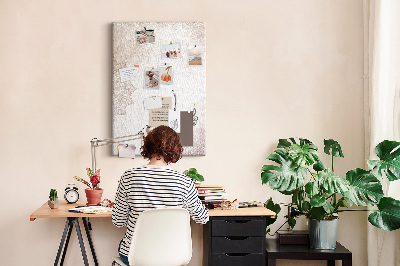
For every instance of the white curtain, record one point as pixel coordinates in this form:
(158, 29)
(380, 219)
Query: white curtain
(383, 109)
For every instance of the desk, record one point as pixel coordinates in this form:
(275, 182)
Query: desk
(235, 237)
(304, 252)
(72, 219)
(245, 226)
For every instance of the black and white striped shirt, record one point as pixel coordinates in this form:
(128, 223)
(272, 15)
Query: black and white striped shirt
(151, 187)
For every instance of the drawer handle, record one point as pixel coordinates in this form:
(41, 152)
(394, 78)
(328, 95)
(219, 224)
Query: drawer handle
(237, 221)
(237, 254)
(236, 237)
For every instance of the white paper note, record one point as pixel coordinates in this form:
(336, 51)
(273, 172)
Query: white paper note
(152, 103)
(174, 120)
(126, 151)
(129, 73)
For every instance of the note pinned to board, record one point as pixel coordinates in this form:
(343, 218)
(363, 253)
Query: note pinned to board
(126, 151)
(152, 103)
(174, 120)
(129, 73)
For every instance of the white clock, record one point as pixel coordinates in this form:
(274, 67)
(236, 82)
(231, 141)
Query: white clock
(71, 194)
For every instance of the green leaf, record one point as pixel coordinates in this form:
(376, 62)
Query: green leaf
(284, 143)
(332, 183)
(276, 208)
(388, 216)
(306, 206)
(317, 213)
(332, 146)
(317, 201)
(292, 222)
(364, 188)
(388, 153)
(311, 189)
(304, 155)
(319, 166)
(287, 176)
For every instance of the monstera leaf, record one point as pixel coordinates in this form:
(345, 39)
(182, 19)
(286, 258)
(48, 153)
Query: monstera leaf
(331, 183)
(334, 147)
(304, 155)
(388, 153)
(388, 216)
(363, 188)
(276, 208)
(286, 177)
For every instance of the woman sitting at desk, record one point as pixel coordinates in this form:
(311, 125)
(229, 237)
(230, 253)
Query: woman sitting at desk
(155, 186)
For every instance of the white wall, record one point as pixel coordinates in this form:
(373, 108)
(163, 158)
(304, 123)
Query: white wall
(275, 69)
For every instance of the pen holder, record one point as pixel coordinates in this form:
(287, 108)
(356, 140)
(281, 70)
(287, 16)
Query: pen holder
(93, 196)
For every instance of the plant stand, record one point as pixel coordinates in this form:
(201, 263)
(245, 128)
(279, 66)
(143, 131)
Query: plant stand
(275, 251)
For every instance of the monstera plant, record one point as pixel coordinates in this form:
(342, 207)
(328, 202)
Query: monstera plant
(320, 194)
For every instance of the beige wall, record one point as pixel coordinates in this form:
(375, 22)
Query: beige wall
(275, 69)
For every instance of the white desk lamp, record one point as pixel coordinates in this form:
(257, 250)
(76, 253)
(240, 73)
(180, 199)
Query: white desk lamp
(102, 142)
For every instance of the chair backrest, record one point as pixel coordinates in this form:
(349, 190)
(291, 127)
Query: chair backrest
(161, 237)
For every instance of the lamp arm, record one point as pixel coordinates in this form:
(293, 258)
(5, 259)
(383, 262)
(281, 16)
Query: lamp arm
(102, 142)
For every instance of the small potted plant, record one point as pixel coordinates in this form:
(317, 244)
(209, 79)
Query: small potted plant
(320, 194)
(194, 175)
(53, 201)
(93, 193)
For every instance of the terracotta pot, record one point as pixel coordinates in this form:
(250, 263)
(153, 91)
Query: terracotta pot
(93, 196)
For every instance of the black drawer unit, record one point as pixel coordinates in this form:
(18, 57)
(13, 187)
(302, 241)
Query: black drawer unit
(234, 241)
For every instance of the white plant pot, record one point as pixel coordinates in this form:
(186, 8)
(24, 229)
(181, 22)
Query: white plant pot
(54, 204)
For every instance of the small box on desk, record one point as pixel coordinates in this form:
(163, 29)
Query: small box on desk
(293, 237)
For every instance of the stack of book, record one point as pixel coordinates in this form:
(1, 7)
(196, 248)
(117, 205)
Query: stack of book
(211, 194)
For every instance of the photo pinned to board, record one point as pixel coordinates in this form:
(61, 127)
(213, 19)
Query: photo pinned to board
(145, 36)
(171, 51)
(152, 78)
(195, 56)
(167, 74)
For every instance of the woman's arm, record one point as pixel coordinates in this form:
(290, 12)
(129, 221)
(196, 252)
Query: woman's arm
(193, 205)
(120, 208)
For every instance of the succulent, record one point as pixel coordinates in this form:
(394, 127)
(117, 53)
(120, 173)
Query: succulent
(53, 195)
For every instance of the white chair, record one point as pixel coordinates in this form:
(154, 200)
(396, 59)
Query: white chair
(162, 237)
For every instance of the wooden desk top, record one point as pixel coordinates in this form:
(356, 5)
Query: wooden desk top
(62, 211)
(250, 211)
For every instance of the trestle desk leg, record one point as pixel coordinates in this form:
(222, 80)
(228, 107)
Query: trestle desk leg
(78, 232)
(90, 240)
(67, 225)
(66, 242)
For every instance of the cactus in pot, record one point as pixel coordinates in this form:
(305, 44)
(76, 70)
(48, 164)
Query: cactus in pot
(53, 202)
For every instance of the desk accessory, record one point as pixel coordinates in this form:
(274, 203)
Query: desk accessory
(71, 194)
(53, 202)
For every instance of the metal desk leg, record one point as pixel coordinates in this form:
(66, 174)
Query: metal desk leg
(66, 243)
(90, 241)
(78, 232)
(67, 225)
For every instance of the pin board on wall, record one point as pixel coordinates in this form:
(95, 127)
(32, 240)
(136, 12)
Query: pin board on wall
(159, 78)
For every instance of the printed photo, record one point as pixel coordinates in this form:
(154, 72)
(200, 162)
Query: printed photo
(145, 37)
(171, 51)
(152, 79)
(167, 74)
(194, 56)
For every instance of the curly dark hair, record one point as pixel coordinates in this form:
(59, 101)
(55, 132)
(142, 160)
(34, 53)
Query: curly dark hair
(162, 141)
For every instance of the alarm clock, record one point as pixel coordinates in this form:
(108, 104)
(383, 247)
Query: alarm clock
(71, 194)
